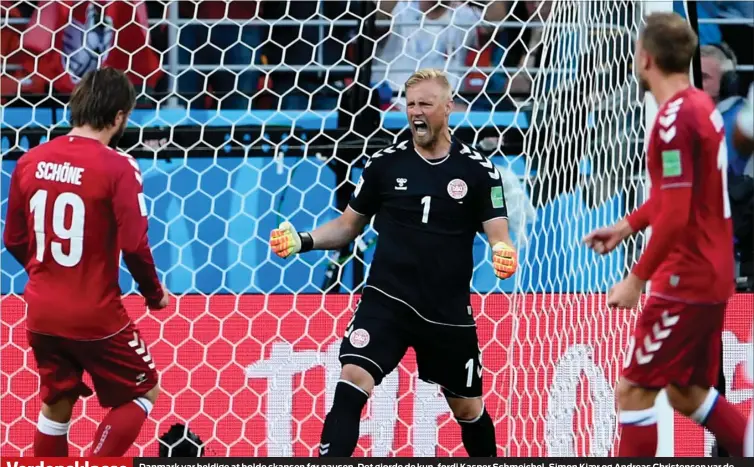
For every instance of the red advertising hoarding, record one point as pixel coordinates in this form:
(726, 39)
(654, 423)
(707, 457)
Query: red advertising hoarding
(253, 375)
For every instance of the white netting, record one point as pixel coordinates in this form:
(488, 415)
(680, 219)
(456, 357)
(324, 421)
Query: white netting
(248, 351)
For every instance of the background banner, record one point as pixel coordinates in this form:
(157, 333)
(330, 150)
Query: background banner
(254, 375)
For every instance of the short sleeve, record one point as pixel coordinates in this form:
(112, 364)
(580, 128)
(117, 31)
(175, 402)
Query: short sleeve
(674, 145)
(366, 196)
(490, 197)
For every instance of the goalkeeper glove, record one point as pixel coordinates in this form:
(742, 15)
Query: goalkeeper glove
(285, 241)
(504, 260)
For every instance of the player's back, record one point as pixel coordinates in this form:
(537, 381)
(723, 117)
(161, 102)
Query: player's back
(66, 186)
(689, 150)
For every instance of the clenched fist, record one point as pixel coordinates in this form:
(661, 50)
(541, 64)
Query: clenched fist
(285, 241)
(504, 260)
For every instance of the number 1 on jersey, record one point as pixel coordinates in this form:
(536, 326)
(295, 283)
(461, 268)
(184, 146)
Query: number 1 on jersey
(74, 233)
(426, 201)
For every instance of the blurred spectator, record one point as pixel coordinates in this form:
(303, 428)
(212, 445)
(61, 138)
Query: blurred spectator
(738, 36)
(720, 82)
(217, 45)
(741, 189)
(428, 34)
(70, 38)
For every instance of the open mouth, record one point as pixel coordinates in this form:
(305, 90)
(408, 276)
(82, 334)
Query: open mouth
(420, 127)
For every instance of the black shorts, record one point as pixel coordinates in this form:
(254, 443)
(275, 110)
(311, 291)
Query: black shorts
(382, 329)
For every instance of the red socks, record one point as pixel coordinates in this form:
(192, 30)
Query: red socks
(638, 433)
(51, 438)
(723, 420)
(120, 427)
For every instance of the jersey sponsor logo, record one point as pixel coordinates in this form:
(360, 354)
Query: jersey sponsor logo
(496, 195)
(63, 173)
(671, 163)
(400, 184)
(457, 188)
(359, 338)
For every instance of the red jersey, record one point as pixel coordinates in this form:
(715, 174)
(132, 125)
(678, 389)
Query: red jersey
(688, 164)
(74, 205)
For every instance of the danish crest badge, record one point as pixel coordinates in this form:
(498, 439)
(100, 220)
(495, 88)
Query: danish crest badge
(457, 188)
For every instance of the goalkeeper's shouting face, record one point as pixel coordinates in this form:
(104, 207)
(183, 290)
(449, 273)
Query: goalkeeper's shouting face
(428, 106)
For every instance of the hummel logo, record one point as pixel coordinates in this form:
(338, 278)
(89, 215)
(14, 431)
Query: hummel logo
(668, 120)
(667, 136)
(401, 183)
(324, 449)
(141, 378)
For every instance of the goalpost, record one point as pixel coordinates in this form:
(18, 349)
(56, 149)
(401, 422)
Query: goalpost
(248, 349)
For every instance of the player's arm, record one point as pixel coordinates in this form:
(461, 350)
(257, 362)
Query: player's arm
(286, 241)
(743, 133)
(131, 218)
(493, 213)
(16, 235)
(672, 206)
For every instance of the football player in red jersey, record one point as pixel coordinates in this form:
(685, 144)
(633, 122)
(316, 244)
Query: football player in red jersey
(677, 340)
(74, 205)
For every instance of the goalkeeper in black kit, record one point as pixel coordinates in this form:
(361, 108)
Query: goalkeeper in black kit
(430, 196)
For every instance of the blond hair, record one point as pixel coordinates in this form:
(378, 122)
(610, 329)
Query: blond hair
(430, 74)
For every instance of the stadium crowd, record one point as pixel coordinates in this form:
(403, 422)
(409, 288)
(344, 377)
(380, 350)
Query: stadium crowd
(267, 55)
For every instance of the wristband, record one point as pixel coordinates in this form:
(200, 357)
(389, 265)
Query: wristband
(307, 242)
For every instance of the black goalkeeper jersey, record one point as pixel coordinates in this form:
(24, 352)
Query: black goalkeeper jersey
(427, 214)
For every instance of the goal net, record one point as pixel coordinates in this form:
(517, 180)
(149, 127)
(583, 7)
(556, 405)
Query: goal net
(246, 118)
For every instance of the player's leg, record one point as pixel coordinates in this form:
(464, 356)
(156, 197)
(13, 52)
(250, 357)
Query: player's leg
(653, 359)
(711, 410)
(698, 398)
(671, 350)
(637, 419)
(125, 380)
(61, 385)
(371, 348)
(449, 356)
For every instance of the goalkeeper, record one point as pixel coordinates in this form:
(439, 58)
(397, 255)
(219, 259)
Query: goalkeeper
(430, 195)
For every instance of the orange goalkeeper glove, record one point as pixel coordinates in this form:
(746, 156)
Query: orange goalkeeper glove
(504, 260)
(285, 241)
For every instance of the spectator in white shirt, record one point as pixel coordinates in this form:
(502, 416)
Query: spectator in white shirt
(429, 34)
